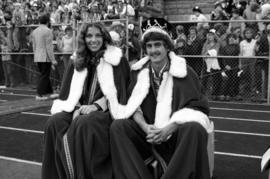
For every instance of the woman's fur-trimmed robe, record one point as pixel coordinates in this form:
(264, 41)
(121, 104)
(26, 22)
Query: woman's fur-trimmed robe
(79, 148)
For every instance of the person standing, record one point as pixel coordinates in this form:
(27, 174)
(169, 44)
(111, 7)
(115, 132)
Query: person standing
(168, 116)
(42, 38)
(247, 65)
(194, 47)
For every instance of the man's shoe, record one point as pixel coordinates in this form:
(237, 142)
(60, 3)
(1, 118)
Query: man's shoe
(41, 98)
(53, 96)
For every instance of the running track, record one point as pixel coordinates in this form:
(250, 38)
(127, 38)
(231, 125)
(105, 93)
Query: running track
(242, 134)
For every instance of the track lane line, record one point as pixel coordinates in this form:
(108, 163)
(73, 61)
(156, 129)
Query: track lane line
(36, 114)
(216, 131)
(239, 119)
(13, 94)
(216, 153)
(242, 133)
(237, 109)
(20, 160)
(238, 155)
(21, 130)
(212, 117)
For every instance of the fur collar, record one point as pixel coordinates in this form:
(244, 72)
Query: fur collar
(113, 55)
(178, 66)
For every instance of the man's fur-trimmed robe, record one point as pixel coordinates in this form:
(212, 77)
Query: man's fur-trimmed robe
(179, 99)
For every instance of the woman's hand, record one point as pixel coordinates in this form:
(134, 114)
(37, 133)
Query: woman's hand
(87, 109)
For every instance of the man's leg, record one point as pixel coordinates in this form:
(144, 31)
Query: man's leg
(129, 149)
(190, 159)
(44, 85)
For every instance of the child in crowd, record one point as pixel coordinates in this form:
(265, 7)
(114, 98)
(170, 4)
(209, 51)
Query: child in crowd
(212, 65)
(230, 67)
(6, 60)
(66, 45)
(247, 65)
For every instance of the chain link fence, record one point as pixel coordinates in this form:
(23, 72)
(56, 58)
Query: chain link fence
(232, 63)
(17, 67)
(230, 57)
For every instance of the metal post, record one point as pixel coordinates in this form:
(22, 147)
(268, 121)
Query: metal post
(127, 55)
(140, 29)
(268, 85)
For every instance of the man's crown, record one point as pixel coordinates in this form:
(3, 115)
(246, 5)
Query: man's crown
(155, 23)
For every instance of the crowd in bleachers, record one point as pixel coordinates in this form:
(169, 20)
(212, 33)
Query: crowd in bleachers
(224, 78)
(18, 18)
(213, 35)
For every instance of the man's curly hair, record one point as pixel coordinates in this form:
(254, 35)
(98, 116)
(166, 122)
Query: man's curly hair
(83, 54)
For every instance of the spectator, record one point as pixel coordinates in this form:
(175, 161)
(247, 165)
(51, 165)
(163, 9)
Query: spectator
(219, 12)
(73, 4)
(251, 14)
(247, 65)
(180, 47)
(180, 33)
(128, 10)
(134, 48)
(44, 56)
(230, 67)
(212, 65)
(221, 33)
(120, 8)
(18, 19)
(198, 17)
(194, 47)
(236, 17)
(55, 16)
(6, 59)
(34, 18)
(85, 16)
(115, 38)
(261, 77)
(237, 31)
(2, 16)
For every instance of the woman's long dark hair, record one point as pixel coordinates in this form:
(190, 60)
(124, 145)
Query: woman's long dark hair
(83, 54)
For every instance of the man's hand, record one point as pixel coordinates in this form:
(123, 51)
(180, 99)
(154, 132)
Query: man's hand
(76, 113)
(87, 109)
(54, 63)
(157, 136)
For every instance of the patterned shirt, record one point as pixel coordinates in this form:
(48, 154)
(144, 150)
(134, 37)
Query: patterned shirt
(157, 78)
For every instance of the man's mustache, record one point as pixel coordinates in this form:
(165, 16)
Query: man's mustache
(154, 53)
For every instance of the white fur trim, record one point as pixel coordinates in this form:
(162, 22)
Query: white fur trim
(107, 85)
(113, 55)
(164, 108)
(138, 65)
(178, 66)
(76, 89)
(164, 101)
(191, 115)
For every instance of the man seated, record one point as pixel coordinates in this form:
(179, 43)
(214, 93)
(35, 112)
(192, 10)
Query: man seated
(169, 115)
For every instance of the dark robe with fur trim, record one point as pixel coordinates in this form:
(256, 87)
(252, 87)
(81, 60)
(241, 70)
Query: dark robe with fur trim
(80, 148)
(185, 152)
